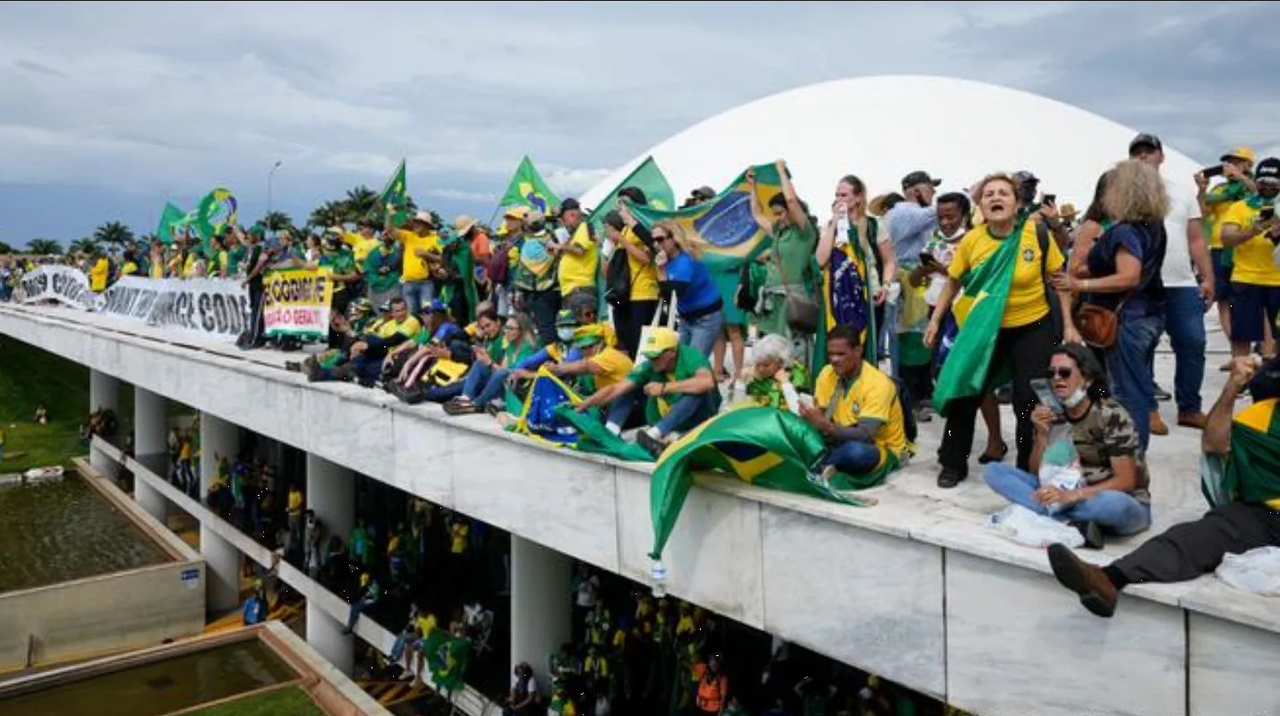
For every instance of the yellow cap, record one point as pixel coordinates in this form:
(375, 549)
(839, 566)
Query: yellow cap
(516, 212)
(658, 341)
(364, 579)
(1244, 153)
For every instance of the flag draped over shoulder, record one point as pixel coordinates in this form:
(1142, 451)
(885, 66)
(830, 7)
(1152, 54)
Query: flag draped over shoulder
(979, 309)
(761, 446)
(724, 227)
(528, 188)
(1251, 471)
(171, 218)
(547, 415)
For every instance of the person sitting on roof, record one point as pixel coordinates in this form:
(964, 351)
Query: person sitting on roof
(677, 379)
(1240, 476)
(777, 375)
(859, 413)
(601, 366)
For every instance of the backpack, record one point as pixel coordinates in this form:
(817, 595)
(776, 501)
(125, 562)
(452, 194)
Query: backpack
(617, 279)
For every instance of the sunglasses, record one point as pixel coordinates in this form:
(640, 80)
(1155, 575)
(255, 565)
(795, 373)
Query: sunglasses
(1062, 373)
(511, 327)
(660, 237)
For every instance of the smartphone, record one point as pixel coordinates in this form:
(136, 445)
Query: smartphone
(1050, 199)
(1267, 214)
(927, 259)
(1210, 172)
(1045, 393)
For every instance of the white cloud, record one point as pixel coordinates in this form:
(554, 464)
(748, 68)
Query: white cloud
(475, 197)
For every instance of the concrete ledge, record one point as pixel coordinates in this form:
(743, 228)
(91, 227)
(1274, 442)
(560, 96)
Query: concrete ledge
(873, 587)
(469, 701)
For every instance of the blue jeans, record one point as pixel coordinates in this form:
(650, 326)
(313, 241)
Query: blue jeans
(620, 409)
(417, 294)
(687, 413)
(853, 458)
(1184, 322)
(445, 393)
(701, 333)
(484, 384)
(1116, 512)
(1129, 364)
(358, 608)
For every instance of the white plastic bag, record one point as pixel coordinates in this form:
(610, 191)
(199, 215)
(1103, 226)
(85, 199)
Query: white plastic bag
(1256, 571)
(1025, 527)
(1060, 464)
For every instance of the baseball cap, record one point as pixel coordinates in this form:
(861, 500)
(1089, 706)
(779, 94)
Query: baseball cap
(588, 336)
(1145, 140)
(435, 306)
(918, 177)
(565, 317)
(570, 205)
(704, 192)
(658, 341)
(1244, 153)
(1268, 170)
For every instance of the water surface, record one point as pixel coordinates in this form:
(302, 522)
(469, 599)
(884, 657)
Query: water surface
(54, 532)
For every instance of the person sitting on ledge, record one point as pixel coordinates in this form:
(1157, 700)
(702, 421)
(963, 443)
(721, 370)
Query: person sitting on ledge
(1240, 473)
(1112, 496)
(858, 412)
(677, 379)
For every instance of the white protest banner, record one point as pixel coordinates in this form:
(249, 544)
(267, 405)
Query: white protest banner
(209, 308)
(64, 284)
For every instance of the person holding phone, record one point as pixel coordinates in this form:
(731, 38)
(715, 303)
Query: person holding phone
(1115, 497)
(1251, 234)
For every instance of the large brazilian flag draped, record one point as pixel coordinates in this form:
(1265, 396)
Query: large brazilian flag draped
(979, 310)
(1250, 473)
(528, 188)
(762, 446)
(546, 414)
(448, 658)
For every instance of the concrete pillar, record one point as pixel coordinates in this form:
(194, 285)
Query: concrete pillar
(324, 634)
(218, 438)
(331, 492)
(150, 447)
(222, 572)
(104, 392)
(541, 613)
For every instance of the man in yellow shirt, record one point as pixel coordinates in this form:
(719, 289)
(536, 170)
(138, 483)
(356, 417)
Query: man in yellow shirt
(1251, 230)
(422, 252)
(368, 352)
(579, 254)
(606, 364)
(858, 411)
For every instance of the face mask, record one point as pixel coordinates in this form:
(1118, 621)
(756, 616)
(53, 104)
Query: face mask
(565, 334)
(1075, 398)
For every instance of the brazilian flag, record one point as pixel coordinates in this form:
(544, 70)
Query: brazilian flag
(395, 192)
(170, 219)
(528, 188)
(448, 658)
(1251, 472)
(547, 415)
(761, 446)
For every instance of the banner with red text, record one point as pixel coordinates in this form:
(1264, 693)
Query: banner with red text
(296, 302)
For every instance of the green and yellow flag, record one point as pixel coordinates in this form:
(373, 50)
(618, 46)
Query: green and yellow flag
(649, 179)
(724, 226)
(448, 658)
(395, 192)
(169, 220)
(527, 188)
(761, 446)
(979, 309)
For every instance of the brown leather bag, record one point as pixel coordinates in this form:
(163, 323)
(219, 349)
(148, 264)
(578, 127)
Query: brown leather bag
(1098, 326)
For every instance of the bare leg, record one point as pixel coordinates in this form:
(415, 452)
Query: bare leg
(717, 357)
(739, 350)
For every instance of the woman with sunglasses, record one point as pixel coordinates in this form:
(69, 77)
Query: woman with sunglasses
(680, 271)
(1111, 494)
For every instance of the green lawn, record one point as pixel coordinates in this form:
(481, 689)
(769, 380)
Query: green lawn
(292, 701)
(29, 377)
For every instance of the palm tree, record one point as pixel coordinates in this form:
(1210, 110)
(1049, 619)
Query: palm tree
(331, 213)
(277, 221)
(113, 234)
(44, 247)
(5, 248)
(84, 246)
(360, 203)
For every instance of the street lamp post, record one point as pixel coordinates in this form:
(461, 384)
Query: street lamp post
(271, 175)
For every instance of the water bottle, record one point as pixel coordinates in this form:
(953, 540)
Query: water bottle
(659, 575)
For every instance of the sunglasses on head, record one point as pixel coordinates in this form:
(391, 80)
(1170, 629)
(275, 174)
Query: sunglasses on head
(1062, 373)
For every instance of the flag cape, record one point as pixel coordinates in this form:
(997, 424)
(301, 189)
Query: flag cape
(527, 188)
(724, 227)
(547, 415)
(1250, 473)
(979, 309)
(168, 220)
(761, 446)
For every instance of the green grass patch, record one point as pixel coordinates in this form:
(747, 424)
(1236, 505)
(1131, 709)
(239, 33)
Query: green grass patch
(292, 701)
(29, 378)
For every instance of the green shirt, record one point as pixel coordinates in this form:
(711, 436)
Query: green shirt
(378, 281)
(688, 362)
(339, 262)
(234, 258)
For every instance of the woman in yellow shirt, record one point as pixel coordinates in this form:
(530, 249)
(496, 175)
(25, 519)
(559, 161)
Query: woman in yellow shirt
(635, 240)
(1026, 336)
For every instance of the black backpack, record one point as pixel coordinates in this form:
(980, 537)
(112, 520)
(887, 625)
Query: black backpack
(617, 279)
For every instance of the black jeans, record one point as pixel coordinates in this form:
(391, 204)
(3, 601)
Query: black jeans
(542, 307)
(1191, 549)
(629, 320)
(1026, 350)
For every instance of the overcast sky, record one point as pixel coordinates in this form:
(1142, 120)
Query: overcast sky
(107, 110)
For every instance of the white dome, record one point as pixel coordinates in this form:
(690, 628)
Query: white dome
(881, 128)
